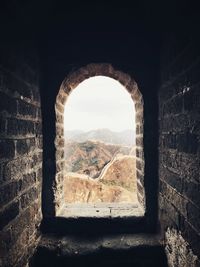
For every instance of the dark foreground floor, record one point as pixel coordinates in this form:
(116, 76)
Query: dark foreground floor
(139, 250)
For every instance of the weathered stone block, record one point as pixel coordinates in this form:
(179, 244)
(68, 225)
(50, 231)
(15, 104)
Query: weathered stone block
(190, 235)
(139, 129)
(193, 215)
(187, 142)
(38, 128)
(59, 178)
(39, 175)
(140, 187)
(60, 142)
(139, 106)
(26, 109)
(62, 98)
(16, 86)
(59, 117)
(140, 176)
(139, 117)
(178, 123)
(182, 164)
(173, 106)
(14, 169)
(38, 113)
(162, 187)
(59, 130)
(24, 146)
(169, 214)
(20, 127)
(8, 192)
(7, 149)
(2, 125)
(141, 199)
(178, 250)
(6, 240)
(171, 160)
(9, 214)
(60, 108)
(139, 141)
(139, 165)
(8, 104)
(28, 197)
(60, 165)
(15, 252)
(135, 93)
(172, 179)
(27, 181)
(192, 191)
(173, 197)
(170, 141)
(39, 142)
(59, 154)
(36, 159)
(28, 219)
(19, 224)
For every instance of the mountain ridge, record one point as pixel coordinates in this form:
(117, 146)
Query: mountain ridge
(125, 137)
(90, 157)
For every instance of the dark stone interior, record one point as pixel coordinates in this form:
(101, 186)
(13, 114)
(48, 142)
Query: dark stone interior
(158, 45)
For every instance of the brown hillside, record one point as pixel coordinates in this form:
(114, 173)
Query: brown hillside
(120, 172)
(83, 189)
(90, 157)
(117, 183)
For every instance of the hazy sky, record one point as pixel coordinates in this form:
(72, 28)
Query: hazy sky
(99, 102)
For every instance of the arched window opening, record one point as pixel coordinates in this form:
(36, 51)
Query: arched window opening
(99, 131)
(99, 148)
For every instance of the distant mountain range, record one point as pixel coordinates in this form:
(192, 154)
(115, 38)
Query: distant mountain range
(126, 137)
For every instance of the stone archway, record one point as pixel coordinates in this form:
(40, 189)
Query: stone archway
(70, 83)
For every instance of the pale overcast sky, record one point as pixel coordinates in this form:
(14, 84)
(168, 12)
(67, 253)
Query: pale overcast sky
(99, 102)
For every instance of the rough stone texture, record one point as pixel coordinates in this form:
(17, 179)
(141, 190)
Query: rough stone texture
(82, 246)
(179, 151)
(20, 154)
(138, 250)
(178, 250)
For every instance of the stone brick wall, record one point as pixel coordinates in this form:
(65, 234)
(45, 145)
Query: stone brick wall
(179, 160)
(20, 153)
